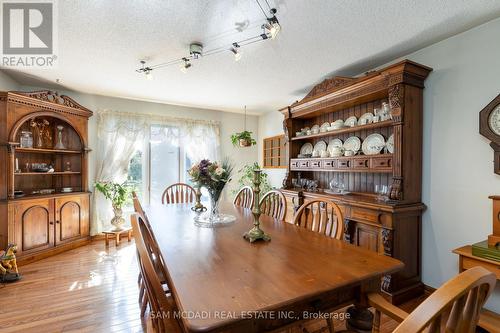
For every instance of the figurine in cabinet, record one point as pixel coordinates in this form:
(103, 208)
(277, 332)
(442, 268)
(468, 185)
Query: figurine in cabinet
(8, 263)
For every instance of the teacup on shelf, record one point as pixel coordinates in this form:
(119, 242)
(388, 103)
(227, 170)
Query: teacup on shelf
(308, 132)
(349, 153)
(325, 154)
(315, 153)
(315, 131)
(336, 152)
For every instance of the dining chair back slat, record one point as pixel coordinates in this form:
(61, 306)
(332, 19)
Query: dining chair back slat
(178, 193)
(273, 204)
(244, 197)
(322, 216)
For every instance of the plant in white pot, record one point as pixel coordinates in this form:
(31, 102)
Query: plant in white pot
(117, 194)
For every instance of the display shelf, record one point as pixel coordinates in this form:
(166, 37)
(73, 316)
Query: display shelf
(55, 173)
(380, 124)
(47, 151)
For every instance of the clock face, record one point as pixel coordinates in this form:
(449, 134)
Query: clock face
(494, 120)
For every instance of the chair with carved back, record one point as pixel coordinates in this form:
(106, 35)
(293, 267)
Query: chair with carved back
(321, 216)
(244, 197)
(273, 204)
(324, 217)
(158, 259)
(162, 306)
(178, 193)
(454, 307)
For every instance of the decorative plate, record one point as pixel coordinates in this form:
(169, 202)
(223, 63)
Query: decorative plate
(334, 143)
(353, 143)
(367, 118)
(338, 124)
(373, 144)
(351, 121)
(390, 144)
(320, 146)
(307, 148)
(315, 128)
(324, 127)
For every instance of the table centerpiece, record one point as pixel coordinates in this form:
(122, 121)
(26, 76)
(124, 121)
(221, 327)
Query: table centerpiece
(213, 176)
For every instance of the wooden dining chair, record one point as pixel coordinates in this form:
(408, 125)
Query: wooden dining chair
(158, 259)
(321, 216)
(273, 204)
(454, 307)
(244, 197)
(178, 193)
(162, 306)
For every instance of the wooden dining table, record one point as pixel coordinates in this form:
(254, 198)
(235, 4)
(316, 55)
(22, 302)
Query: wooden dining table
(223, 283)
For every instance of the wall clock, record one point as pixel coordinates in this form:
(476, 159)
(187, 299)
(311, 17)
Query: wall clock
(489, 127)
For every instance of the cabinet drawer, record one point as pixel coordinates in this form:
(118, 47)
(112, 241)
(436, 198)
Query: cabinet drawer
(329, 164)
(343, 164)
(315, 164)
(294, 164)
(468, 263)
(365, 215)
(381, 163)
(303, 164)
(360, 163)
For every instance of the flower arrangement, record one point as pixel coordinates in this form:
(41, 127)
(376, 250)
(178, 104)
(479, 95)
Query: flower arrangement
(213, 176)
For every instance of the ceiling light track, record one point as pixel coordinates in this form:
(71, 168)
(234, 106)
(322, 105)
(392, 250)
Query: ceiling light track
(270, 30)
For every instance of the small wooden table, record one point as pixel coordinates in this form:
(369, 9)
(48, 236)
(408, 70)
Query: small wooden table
(117, 235)
(488, 320)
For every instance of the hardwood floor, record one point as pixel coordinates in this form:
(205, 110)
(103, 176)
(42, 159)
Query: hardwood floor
(88, 289)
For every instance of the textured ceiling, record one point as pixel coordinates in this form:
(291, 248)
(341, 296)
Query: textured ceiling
(101, 42)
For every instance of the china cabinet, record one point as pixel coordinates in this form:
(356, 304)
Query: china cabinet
(384, 106)
(44, 197)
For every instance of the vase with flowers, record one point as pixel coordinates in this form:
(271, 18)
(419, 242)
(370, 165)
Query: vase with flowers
(213, 176)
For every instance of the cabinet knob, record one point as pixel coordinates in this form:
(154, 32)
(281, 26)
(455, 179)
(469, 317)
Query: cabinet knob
(57, 221)
(51, 222)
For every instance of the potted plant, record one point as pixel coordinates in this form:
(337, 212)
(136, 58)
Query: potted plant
(117, 193)
(246, 178)
(243, 139)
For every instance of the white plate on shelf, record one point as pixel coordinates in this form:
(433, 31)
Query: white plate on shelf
(320, 146)
(373, 144)
(335, 143)
(352, 143)
(367, 118)
(315, 129)
(324, 127)
(390, 144)
(306, 148)
(351, 121)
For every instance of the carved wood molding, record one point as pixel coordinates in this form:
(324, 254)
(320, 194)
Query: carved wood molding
(348, 231)
(330, 85)
(396, 189)
(388, 242)
(396, 101)
(49, 100)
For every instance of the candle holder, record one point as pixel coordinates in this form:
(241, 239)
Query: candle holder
(198, 206)
(256, 232)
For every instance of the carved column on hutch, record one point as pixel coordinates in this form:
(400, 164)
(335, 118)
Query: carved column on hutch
(348, 231)
(387, 241)
(396, 103)
(287, 129)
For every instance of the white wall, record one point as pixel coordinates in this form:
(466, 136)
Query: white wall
(270, 124)
(230, 123)
(7, 83)
(457, 162)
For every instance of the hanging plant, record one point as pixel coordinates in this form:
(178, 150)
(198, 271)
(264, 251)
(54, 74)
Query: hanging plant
(243, 139)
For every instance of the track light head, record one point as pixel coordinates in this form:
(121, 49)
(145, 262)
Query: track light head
(145, 70)
(236, 51)
(185, 65)
(196, 50)
(273, 27)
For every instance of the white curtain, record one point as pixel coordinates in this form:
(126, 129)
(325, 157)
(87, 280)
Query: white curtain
(121, 133)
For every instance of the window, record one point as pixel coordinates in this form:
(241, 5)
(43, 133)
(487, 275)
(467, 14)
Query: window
(274, 152)
(157, 163)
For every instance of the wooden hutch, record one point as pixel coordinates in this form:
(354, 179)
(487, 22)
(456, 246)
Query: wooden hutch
(392, 227)
(35, 212)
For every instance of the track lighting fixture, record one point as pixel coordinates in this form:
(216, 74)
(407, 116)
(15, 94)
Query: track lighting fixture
(185, 65)
(146, 70)
(236, 51)
(271, 29)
